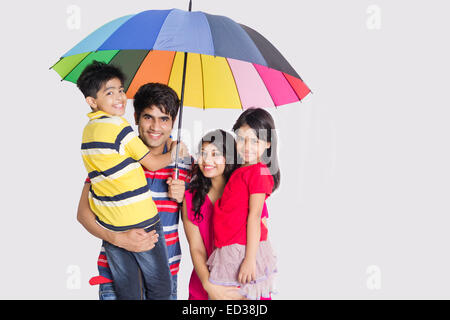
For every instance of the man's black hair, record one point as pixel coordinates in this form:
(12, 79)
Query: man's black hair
(159, 95)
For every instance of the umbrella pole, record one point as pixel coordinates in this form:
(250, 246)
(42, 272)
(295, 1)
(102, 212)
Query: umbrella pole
(180, 115)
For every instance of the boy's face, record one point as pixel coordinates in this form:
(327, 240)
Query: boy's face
(154, 126)
(111, 98)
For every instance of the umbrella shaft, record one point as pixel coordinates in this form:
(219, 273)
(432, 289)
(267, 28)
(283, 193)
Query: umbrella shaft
(180, 116)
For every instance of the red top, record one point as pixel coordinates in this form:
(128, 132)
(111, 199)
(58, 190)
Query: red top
(231, 210)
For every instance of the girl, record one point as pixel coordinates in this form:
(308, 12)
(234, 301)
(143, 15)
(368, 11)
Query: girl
(216, 162)
(243, 256)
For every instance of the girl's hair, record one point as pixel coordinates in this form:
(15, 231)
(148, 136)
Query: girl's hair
(200, 185)
(262, 123)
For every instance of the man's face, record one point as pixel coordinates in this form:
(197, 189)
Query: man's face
(154, 126)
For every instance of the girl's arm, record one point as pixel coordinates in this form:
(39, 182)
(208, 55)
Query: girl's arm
(247, 271)
(135, 240)
(199, 258)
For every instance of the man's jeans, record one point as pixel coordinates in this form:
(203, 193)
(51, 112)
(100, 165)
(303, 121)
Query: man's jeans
(139, 275)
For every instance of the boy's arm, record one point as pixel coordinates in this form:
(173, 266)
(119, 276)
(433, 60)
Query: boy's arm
(156, 162)
(247, 271)
(135, 240)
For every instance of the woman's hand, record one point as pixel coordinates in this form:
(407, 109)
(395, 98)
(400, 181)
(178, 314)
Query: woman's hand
(247, 272)
(216, 292)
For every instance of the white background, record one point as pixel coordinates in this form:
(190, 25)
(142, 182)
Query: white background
(363, 207)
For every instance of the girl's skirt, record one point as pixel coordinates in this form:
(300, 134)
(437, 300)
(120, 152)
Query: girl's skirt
(224, 264)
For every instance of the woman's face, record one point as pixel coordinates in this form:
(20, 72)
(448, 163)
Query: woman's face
(211, 161)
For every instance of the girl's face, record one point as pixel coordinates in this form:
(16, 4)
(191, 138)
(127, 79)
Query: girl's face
(249, 147)
(211, 161)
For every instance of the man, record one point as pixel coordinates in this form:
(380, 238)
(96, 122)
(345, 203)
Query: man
(156, 107)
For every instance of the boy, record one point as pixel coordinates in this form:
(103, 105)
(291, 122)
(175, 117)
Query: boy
(156, 107)
(119, 195)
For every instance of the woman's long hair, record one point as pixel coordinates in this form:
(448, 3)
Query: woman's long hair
(262, 123)
(200, 185)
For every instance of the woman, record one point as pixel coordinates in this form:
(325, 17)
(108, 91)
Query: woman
(217, 159)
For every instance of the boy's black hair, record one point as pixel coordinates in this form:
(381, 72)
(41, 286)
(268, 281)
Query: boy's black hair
(159, 95)
(95, 75)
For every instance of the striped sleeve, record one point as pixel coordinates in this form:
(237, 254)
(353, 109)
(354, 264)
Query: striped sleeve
(131, 144)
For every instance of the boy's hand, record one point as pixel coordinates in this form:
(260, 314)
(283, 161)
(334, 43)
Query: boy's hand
(136, 240)
(176, 189)
(247, 272)
(182, 152)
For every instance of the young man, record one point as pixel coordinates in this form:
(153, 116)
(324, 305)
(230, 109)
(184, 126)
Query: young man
(156, 107)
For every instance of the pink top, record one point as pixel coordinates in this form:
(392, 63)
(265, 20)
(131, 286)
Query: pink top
(196, 291)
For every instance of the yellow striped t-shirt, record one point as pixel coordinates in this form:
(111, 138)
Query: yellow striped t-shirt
(119, 194)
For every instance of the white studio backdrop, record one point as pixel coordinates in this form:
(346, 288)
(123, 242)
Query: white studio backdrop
(362, 211)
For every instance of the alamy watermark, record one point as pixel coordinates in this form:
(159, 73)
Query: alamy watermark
(373, 21)
(73, 21)
(73, 281)
(373, 281)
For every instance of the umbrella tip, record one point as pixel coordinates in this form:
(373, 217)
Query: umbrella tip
(190, 5)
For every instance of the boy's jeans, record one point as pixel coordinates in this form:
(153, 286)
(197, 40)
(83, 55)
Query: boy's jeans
(141, 274)
(107, 291)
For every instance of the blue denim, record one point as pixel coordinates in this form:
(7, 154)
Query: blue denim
(173, 296)
(108, 292)
(141, 275)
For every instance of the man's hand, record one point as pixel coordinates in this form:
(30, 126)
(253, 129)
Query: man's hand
(136, 240)
(176, 189)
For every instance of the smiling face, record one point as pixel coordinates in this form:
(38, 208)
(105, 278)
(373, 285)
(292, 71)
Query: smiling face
(111, 98)
(211, 161)
(154, 127)
(249, 147)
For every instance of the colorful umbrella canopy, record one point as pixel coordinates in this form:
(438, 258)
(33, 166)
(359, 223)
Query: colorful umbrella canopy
(229, 65)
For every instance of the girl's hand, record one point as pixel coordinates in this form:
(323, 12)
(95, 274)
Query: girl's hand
(247, 272)
(216, 292)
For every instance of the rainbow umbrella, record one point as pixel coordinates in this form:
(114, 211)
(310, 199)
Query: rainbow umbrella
(209, 60)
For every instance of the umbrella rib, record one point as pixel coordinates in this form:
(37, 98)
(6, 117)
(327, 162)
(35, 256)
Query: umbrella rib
(76, 65)
(171, 68)
(284, 75)
(235, 84)
(137, 70)
(203, 83)
(268, 92)
(55, 63)
(92, 52)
